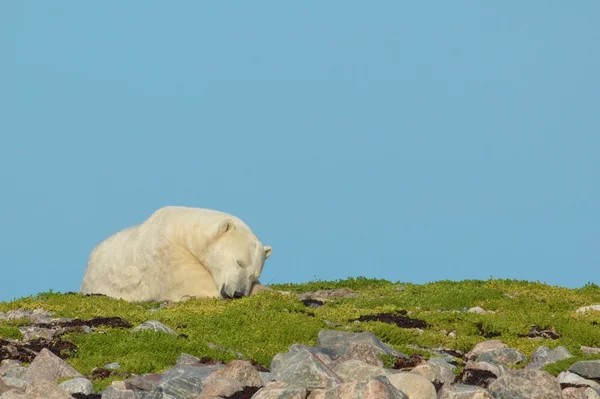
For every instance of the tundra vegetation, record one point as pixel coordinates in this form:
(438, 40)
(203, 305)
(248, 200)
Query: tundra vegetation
(258, 327)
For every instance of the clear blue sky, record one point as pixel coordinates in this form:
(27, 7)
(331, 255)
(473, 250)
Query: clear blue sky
(408, 141)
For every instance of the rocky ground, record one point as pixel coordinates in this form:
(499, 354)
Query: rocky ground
(342, 364)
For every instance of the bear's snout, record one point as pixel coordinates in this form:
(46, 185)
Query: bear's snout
(236, 294)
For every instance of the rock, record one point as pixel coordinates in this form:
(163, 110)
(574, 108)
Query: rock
(436, 370)
(357, 370)
(77, 385)
(414, 385)
(3, 386)
(13, 368)
(49, 367)
(341, 342)
(590, 308)
(476, 309)
(586, 368)
(322, 354)
(544, 355)
(363, 351)
(13, 394)
(304, 369)
(183, 381)
(590, 350)
(117, 390)
(30, 332)
(571, 379)
(372, 388)
(242, 371)
(144, 383)
(184, 358)
(591, 393)
(485, 347)
(327, 295)
(461, 391)
(508, 356)
(112, 366)
(573, 393)
(43, 389)
(153, 325)
(15, 382)
(526, 384)
(280, 390)
(217, 386)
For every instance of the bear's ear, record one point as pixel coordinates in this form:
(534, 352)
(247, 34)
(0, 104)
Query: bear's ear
(225, 226)
(268, 251)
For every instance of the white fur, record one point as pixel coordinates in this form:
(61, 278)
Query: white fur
(178, 253)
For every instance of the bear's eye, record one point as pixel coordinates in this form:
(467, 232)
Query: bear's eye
(240, 264)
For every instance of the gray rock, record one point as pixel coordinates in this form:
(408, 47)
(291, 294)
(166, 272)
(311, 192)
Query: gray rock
(184, 358)
(590, 308)
(591, 393)
(544, 355)
(372, 388)
(184, 386)
(461, 391)
(508, 356)
(414, 385)
(197, 370)
(13, 394)
(241, 371)
(49, 367)
(568, 378)
(112, 366)
(573, 393)
(145, 382)
(30, 332)
(3, 387)
(341, 342)
(357, 370)
(590, 350)
(41, 389)
(16, 382)
(436, 370)
(485, 347)
(586, 368)
(217, 386)
(77, 385)
(153, 325)
(117, 390)
(12, 368)
(526, 384)
(304, 369)
(280, 390)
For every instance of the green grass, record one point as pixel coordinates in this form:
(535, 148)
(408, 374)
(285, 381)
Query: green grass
(263, 325)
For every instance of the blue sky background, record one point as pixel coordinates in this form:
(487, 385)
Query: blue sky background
(409, 141)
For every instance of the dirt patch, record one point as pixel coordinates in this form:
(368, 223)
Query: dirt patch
(247, 393)
(408, 364)
(399, 318)
(100, 373)
(481, 378)
(537, 332)
(27, 351)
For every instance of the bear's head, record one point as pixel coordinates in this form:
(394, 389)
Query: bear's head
(235, 259)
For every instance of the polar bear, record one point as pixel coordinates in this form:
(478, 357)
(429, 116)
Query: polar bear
(176, 254)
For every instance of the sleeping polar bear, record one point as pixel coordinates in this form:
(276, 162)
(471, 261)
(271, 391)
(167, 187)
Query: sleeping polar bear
(176, 254)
